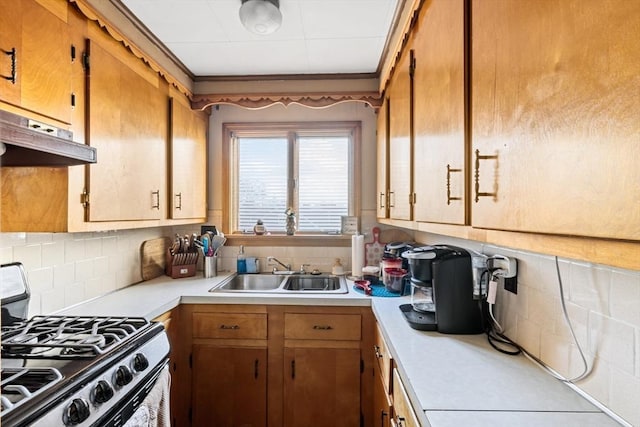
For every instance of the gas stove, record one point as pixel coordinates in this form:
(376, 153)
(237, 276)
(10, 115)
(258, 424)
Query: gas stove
(78, 371)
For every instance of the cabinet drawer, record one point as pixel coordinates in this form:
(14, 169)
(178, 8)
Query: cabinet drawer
(384, 359)
(403, 411)
(322, 326)
(230, 325)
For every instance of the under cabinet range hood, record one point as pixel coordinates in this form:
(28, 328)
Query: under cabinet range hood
(26, 142)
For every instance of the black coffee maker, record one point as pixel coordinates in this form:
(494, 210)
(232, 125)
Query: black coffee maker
(446, 292)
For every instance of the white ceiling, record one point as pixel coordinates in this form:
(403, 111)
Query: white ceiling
(316, 36)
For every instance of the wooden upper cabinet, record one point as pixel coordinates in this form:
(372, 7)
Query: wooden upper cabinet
(188, 161)
(382, 157)
(11, 45)
(34, 35)
(128, 116)
(555, 106)
(439, 113)
(400, 166)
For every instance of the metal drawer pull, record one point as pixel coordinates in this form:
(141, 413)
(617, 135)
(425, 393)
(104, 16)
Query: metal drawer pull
(392, 194)
(381, 204)
(156, 205)
(322, 327)
(229, 327)
(479, 193)
(14, 71)
(450, 170)
(179, 199)
(377, 350)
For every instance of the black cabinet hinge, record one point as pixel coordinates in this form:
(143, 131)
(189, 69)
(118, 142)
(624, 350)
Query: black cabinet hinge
(191, 360)
(361, 366)
(412, 63)
(85, 61)
(73, 54)
(190, 416)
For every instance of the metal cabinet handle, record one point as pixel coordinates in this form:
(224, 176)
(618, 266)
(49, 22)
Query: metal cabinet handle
(377, 350)
(14, 70)
(229, 327)
(179, 198)
(450, 170)
(255, 369)
(293, 369)
(400, 421)
(381, 202)
(479, 193)
(322, 327)
(156, 205)
(392, 194)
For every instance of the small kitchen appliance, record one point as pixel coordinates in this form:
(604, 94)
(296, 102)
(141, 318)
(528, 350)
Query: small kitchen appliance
(446, 292)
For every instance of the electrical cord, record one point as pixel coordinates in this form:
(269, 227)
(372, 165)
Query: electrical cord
(495, 335)
(494, 330)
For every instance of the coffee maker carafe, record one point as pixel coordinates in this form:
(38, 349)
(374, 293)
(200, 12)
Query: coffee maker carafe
(446, 290)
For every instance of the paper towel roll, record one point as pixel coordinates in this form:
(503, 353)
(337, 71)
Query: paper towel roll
(357, 254)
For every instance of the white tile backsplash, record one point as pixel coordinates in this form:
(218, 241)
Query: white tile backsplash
(603, 303)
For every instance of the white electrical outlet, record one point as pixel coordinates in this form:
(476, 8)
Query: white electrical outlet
(502, 266)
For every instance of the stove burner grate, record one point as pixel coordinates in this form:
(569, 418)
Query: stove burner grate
(21, 384)
(68, 337)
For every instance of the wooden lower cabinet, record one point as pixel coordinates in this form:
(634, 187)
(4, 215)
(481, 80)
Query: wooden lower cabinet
(381, 404)
(229, 386)
(403, 413)
(322, 387)
(257, 365)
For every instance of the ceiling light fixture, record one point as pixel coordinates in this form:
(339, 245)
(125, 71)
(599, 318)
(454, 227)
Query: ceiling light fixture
(261, 16)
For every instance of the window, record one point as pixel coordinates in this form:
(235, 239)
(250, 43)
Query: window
(310, 167)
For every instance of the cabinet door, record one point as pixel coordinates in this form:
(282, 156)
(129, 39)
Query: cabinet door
(382, 157)
(128, 125)
(188, 162)
(321, 387)
(555, 117)
(11, 45)
(404, 414)
(439, 113)
(229, 386)
(40, 35)
(400, 191)
(381, 403)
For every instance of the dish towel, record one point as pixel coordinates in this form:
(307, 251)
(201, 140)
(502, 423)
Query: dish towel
(154, 410)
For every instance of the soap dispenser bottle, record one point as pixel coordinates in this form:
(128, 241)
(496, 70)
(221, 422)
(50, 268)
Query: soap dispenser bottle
(241, 265)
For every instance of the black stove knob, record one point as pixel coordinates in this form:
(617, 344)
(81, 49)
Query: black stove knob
(77, 412)
(140, 362)
(102, 392)
(123, 376)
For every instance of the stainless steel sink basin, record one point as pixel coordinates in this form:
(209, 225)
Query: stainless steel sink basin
(295, 283)
(312, 283)
(250, 283)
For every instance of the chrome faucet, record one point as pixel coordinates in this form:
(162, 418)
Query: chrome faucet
(271, 259)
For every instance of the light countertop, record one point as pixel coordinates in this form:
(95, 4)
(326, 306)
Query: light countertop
(451, 380)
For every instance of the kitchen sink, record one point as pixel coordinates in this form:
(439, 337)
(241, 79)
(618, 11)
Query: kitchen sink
(272, 283)
(312, 283)
(250, 283)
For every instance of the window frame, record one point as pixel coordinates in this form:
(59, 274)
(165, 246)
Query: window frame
(290, 130)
